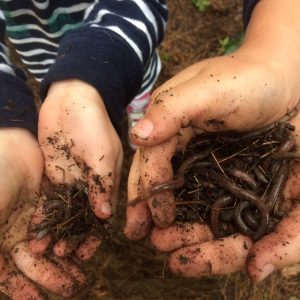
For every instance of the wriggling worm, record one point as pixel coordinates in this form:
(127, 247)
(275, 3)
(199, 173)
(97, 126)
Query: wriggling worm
(280, 172)
(227, 215)
(244, 176)
(243, 195)
(250, 219)
(215, 213)
(260, 174)
(279, 184)
(238, 217)
(175, 183)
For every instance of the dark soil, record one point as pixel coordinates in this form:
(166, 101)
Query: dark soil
(68, 215)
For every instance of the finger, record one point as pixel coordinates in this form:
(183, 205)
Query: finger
(39, 247)
(168, 113)
(138, 219)
(43, 272)
(14, 284)
(64, 247)
(222, 256)
(100, 191)
(97, 150)
(180, 235)
(88, 248)
(156, 168)
(278, 249)
(70, 268)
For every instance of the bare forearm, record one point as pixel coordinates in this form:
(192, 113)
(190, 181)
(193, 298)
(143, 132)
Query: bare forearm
(275, 26)
(273, 38)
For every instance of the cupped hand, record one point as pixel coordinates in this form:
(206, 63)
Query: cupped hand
(22, 166)
(226, 93)
(235, 92)
(79, 143)
(194, 252)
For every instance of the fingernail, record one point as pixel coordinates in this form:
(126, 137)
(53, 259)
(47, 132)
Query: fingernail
(106, 209)
(266, 271)
(143, 129)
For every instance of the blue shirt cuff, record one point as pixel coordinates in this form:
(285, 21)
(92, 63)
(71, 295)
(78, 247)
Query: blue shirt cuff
(17, 106)
(99, 57)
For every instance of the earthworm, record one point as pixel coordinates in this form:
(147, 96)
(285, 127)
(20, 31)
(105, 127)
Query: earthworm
(238, 217)
(260, 175)
(188, 162)
(175, 183)
(287, 144)
(249, 135)
(172, 184)
(215, 212)
(250, 218)
(243, 194)
(43, 224)
(42, 233)
(285, 155)
(226, 215)
(244, 176)
(51, 205)
(280, 170)
(278, 185)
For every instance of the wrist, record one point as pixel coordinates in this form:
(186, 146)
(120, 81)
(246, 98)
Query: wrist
(17, 137)
(273, 38)
(71, 88)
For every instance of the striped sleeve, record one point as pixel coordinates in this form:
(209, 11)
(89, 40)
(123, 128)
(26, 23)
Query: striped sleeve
(248, 8)
(114, 50)
(17, 107)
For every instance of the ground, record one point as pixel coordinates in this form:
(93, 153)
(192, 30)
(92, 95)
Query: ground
(134, 270)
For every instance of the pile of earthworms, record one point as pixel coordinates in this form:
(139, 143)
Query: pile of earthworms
(68, 215)
(234, 181)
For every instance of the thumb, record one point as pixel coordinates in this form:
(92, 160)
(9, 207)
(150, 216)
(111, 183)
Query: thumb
(171, 110)
(277, 250)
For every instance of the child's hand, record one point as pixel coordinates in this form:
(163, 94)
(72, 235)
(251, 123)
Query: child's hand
(80, 143)
(237, 92)
(21, 166)
(194, 252)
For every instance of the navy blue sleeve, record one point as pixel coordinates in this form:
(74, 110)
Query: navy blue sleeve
(17, 107)
(248, 8)
(111, 50)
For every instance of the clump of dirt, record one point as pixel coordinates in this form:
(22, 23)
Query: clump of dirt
(68, 215)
